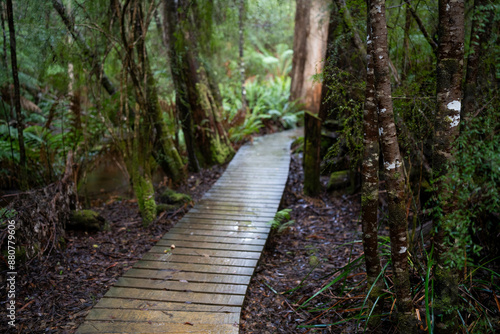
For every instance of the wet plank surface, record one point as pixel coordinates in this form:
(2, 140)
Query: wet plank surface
(199, 285)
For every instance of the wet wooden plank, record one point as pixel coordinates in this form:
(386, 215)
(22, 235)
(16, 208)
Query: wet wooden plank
(232, 213)
(187, 276)
(203, 238)
(154, 327)
(138, 304)
(241, 202)
(218, 233)
(193, 267)
(217, 261)
(185, 285)
(176, 296)
(206, 252)
(159, 316)
(210, 245)
(221, 216)
(242, 208)
(221, 228)
(228, 222)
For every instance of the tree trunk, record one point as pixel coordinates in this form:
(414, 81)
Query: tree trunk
(448, 95)
(393, 165)
(241, 12)
(23, 182)
(480, 33)
(312, 159)
(170, 22)
(369, 190)
(405, 59)
(309, 47)
(165, 152)
(213, 146)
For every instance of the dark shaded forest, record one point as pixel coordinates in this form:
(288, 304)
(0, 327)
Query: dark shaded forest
(117, 116)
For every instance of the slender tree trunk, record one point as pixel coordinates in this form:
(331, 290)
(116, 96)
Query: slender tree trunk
(393, 165)
(241, 12)
(369, 190)
(170, 22)
(312, 159)
(480, 33)
(17, 98)
(80, 40)
(448, 95)
(421, 26)
(405, 59)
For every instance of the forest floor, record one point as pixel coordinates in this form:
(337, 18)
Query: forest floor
(55, 293)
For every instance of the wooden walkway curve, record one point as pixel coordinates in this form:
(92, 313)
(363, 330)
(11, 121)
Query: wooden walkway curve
(199, 286)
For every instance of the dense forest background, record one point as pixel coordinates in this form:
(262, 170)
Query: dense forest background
(399, 99)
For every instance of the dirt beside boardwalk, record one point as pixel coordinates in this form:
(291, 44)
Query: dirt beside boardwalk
(55, 293)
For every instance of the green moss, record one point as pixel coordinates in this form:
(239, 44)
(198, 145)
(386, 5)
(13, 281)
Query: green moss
(86, 220)
(144, 192)
(172, 197)
(339, 180)
(313, 260)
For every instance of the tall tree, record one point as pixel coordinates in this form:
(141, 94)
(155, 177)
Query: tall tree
(393, 167)
(178, 68)
(309, 48)
(211, 139)
(241, 43)
(17, 97)
(370, 187)
(446, 130)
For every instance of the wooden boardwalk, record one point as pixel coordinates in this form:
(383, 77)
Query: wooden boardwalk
(199, 286)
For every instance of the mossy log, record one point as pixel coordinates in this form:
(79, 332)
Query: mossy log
(86, 220)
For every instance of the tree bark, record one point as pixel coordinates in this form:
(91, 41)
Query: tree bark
(480, 33)
(448, 96)
(241, 17)
(170, 22)
(393, 165)
(23, 182)
(312, 159)
(213, 145)
(370, 188)
(405, 59)
(309, 47)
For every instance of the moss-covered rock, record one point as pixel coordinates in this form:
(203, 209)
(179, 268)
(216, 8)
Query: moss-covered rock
(170, 196)
(339, 180)
(87, 220)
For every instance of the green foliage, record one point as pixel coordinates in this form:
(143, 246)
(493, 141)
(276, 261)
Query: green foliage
(268, 102)
(282, 220)
(342, 87)
(473, 185)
